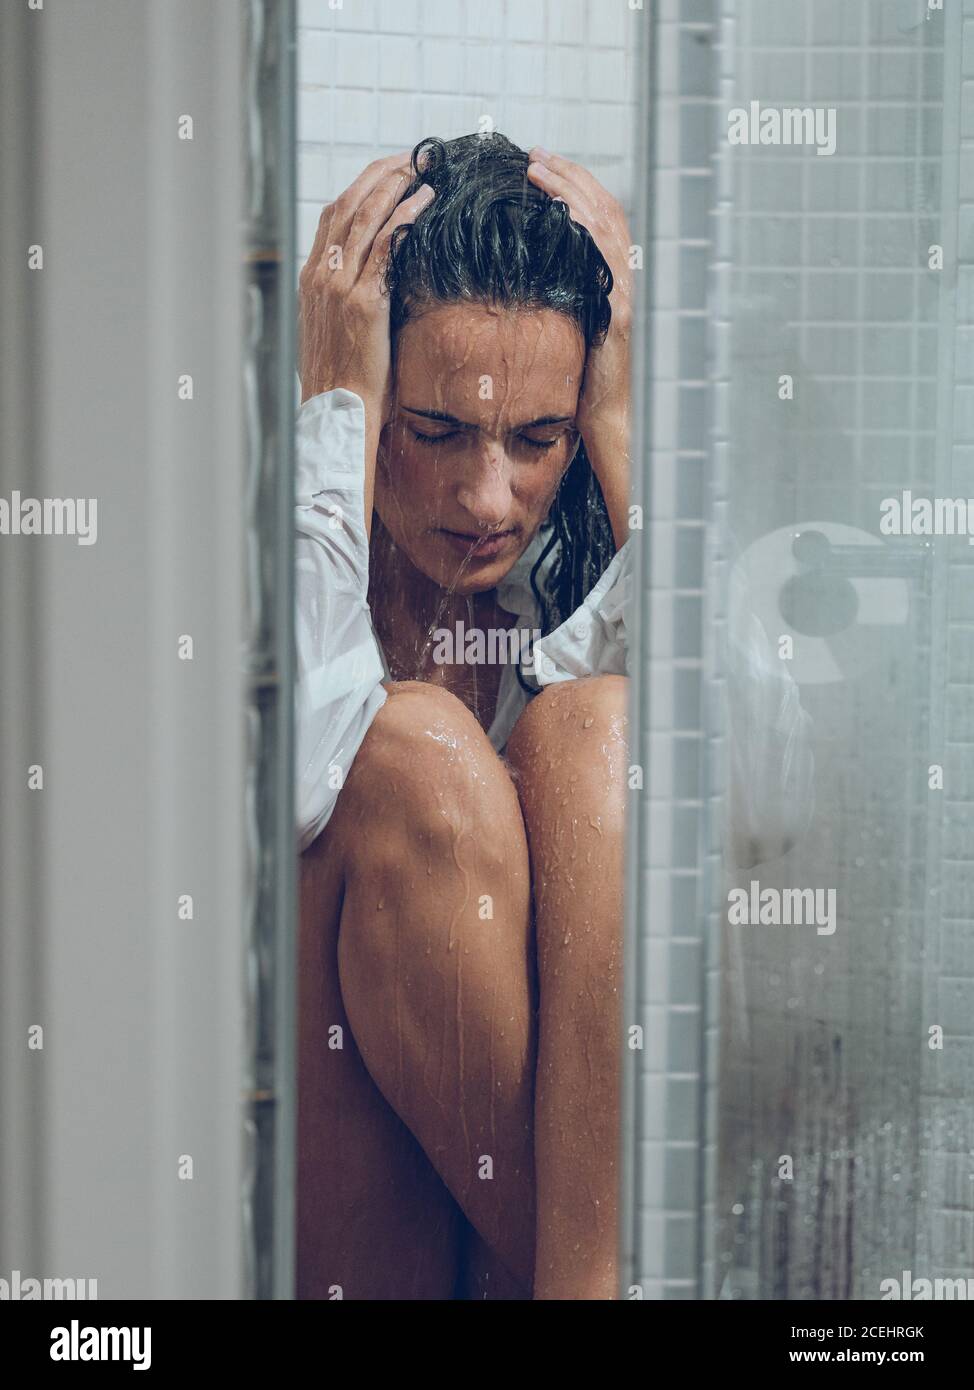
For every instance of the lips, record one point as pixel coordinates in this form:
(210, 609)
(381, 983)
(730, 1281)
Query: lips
(479, 545)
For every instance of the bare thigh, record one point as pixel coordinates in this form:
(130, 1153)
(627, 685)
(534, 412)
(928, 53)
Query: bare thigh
(374, 1221)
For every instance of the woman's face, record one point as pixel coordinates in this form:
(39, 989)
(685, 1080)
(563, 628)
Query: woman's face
(482, 430)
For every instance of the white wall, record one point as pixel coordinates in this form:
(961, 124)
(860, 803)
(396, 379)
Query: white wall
(377, 76)
(143, 755)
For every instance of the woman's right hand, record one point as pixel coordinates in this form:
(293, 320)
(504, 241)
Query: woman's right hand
(343, 315)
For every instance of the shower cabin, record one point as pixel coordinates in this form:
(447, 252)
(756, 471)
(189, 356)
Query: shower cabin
(798, 1102)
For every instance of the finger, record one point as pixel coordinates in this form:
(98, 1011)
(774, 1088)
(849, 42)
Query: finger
(607, 230)
(407, 211)
(599, 211)
(321, 241)
(372, 216)
(558, 186)
(349, 202)
(575, 173)
(336, 217)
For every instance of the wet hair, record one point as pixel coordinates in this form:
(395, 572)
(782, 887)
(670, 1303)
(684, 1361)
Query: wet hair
(491, 236)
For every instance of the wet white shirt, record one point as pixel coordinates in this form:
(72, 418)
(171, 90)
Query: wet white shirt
(341, 666)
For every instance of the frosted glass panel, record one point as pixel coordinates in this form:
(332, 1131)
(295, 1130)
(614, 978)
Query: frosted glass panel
(841, 1123)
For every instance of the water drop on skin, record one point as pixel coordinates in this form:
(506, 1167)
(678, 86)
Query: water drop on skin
(588, 721)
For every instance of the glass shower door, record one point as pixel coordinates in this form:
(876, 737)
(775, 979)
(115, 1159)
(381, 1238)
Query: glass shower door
(806, 1123)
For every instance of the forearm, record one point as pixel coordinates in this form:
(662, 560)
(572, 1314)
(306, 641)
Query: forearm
(608, 452)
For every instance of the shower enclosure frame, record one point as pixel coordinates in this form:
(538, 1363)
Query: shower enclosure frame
(268, 1200)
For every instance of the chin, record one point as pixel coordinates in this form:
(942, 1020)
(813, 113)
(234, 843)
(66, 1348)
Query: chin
(474, 578)
(487, 577)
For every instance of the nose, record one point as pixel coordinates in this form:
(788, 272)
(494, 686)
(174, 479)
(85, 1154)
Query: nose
(485, 493)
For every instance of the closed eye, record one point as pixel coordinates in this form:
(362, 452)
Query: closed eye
(430, 439)
(433, 438)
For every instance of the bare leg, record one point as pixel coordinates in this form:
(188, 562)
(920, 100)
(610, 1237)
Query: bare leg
(484, 1277)
(568, 753)
(436, 954)
(374, 1219)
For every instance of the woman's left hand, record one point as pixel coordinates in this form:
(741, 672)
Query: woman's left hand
(603, 408)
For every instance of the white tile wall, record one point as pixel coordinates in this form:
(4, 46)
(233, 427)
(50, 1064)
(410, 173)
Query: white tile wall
(377, 76)
(668, 1177)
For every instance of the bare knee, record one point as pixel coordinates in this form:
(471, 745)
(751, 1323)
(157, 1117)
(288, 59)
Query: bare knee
(430, 818)
(592, 710)
(569, 749)
(425, 772)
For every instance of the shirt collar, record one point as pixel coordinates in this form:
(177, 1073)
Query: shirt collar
(514, 592)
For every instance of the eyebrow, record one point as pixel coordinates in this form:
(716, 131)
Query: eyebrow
(443, 418)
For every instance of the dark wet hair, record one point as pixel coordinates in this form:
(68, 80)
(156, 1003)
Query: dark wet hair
(491, 236)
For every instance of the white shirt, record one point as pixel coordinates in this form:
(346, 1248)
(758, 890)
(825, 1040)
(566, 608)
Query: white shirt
(341, 666)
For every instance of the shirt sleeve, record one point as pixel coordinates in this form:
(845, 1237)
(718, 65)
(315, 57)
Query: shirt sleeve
(594, 641)
(340, 669)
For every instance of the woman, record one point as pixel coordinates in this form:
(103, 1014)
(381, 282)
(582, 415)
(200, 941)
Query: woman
(462, 459)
